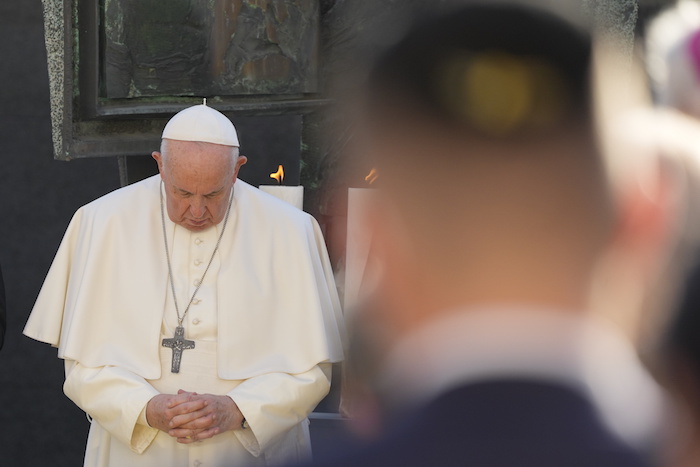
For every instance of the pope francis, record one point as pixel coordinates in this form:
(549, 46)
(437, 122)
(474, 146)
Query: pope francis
(197, 316)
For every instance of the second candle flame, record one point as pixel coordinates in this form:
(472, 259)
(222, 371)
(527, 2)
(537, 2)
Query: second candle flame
(372, 176)
(279, 175)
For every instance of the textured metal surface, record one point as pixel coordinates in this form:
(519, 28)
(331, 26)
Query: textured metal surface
(209, 47)
(267, 67)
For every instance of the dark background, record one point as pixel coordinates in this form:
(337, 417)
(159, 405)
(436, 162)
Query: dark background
(38, 424)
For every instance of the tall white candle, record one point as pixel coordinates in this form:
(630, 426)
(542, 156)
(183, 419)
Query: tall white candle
(293, 195)
(358, 245)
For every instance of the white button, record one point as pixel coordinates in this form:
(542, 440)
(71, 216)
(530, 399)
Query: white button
(198, 241)
(197, 262)
(196, 282)
(196, 301)
(196, 321)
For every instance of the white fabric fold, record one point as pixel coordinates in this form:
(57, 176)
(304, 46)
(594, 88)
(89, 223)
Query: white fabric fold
(102, 301)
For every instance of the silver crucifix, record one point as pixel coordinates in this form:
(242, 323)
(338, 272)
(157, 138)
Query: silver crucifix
(178, 343)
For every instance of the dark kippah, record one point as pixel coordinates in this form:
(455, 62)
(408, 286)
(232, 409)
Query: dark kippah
(500, 69)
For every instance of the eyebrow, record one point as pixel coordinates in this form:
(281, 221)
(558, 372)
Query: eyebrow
(215, 192)
(185, 192)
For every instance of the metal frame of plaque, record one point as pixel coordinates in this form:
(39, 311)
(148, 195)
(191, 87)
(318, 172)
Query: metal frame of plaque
(88, 123)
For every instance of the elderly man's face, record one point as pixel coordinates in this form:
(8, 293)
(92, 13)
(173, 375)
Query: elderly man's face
(198, 179)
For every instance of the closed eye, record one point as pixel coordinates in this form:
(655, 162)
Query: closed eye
(213, 195)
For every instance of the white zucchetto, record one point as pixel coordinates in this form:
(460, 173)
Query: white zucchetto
(203, 124)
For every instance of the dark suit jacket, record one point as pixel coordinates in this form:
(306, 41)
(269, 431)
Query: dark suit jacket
(498, 424)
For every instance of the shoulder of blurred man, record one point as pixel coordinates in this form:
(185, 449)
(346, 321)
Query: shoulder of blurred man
(498, 423)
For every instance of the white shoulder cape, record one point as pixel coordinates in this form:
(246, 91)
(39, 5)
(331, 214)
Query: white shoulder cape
(102, 301)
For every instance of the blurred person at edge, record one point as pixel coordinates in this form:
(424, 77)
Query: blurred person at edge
(673, 63)
(516, 239)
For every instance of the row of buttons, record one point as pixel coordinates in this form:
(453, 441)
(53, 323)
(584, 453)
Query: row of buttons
(197, 262)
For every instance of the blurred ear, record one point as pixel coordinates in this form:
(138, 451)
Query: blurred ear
(647, 215)
(399, 295)
(631, 273)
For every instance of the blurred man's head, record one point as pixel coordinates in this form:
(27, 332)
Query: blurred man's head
(481, 125)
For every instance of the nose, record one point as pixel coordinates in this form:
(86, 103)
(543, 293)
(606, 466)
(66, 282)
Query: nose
(197, 208)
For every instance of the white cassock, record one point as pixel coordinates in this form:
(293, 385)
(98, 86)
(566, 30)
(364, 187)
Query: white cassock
(266, 324)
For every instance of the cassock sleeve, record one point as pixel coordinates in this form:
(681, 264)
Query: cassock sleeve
(115, 398)
(276, 402)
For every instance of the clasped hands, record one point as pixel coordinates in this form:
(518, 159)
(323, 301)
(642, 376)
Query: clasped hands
(192, 417)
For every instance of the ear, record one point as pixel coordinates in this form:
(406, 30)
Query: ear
(647, 212)
(159, 159)
(631, 274)
(398, 295)
(240, 162)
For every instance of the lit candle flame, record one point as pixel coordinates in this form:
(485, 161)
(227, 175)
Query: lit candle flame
(279, 175)
(372, 176)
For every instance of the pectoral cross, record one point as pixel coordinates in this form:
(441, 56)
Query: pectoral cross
(178, 343)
